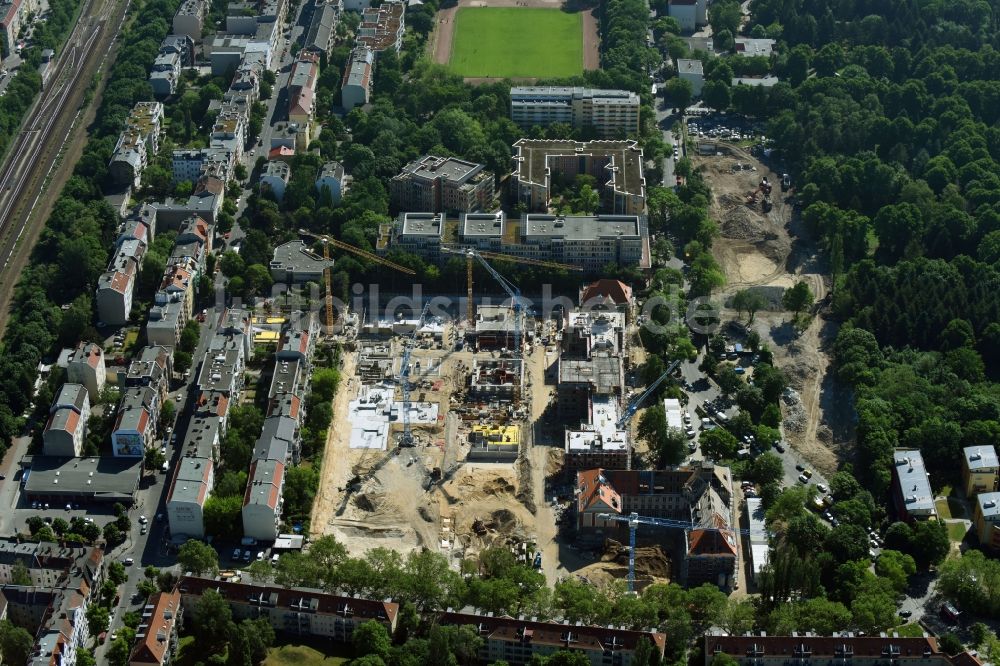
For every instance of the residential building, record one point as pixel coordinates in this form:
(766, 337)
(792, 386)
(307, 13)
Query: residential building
(331, 177)
(139, 140)
(911, 486)
(263, 500)
(685, 12)
(165, 324)
(182, 45)
(980, 469)
(135, 425)
(190, 489)
(322, 27)
(156, 637)
(606, 295)
(302, 95)
(67, 425)
(598, 442)
(615, 165)
(517, 640)
(762, 81)
(986, 519)
(294, 611)
(590, 242)
(86, 366)
(54, 609)
(760, 547)
(700, 495)
(611, 113)
(294, 263)
(116, 287)
(438, 184)
(152, 368)
(189, 19)
(840, 648)
(750, 47)
(382, 27)
(13, 17)
(96, 480)
(356, 88)
(588, 333)
(579, 380)
(274, 178)
(206, 202)
(693, 72)
(165, 74)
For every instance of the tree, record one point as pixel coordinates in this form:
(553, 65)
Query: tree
(19, 574)
(16, 644)
(930, 543)
(182, 361)
(667, 443)
(896, 567)
(97, 619)
(738, 617)
(719, 444)
(717, 95)
(767, 468)
(951, 644)
(168, 410)
(198, 558)
(749, 300)
(798, 297)
(371, 638)
(212, 619)
(729, 382)
(117, 573)
(154, 459)
(679, 92)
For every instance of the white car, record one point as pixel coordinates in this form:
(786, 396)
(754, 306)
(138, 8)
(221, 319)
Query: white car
(142, 520)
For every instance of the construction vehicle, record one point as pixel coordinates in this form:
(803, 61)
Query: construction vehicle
(327, 241)
(404, 376)
(636, 402)
(511, 289)
(634, 520)
(763, 189)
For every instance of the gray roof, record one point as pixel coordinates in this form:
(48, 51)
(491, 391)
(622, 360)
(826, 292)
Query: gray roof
(604, 373)
(360, 67)
(983, 456)
(989, 505)
(483, 225)
(582, 227)
(333, 170)
(422, 224)
(71, 395)
(275, 439)
(131, 408)
(763, 81)
(295, 256)
(264, 475)
(106, 477)
(287, 377)
(191, 476)
(451, 169)
(912, 478)
(324, 22)
(201, 436)
(525, 95)
(686, 66)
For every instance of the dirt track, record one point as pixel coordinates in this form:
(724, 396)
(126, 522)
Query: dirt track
(439, 45)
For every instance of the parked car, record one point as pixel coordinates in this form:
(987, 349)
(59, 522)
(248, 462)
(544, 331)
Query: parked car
(822, 488)
(779, 448)
(803, 478)
(236, 553)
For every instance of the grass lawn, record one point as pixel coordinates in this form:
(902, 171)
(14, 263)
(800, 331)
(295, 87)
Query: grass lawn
(911, 630)
(956, 531)
(300, 655)
(517, 42)
(944, 511)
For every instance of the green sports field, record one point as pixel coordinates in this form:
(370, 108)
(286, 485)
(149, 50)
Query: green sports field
(516, 42)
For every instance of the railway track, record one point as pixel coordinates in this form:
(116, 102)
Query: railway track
(24, 175)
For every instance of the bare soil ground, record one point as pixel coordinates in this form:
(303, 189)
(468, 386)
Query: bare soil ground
(773, 250)
(439, 44)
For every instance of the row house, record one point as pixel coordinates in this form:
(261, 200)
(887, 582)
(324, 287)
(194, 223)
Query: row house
(66, 428)
(138, 141)
(116, 286)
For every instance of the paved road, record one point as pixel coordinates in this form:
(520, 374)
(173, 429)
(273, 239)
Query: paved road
(664, 121)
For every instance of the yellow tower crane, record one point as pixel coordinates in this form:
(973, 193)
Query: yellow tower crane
(327, 241)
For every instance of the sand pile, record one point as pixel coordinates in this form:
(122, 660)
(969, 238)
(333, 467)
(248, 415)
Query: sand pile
(649, 560)
(741, 224)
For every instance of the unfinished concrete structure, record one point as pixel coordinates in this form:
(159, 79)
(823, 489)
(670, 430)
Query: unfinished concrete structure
(582, 379)
(494, 328)
(496, 379)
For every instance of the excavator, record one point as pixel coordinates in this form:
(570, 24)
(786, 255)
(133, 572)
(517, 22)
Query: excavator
(763, 189)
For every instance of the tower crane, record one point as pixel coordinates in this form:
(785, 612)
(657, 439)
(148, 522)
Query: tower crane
(327, 241)
(634, 405)
(404, 376)
(481, 255)
(634, 520)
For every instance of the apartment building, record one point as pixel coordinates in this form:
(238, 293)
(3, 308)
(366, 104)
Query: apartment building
(136, 423)
(911, 486)
(685, 12)
(323, 26)
(986, 518)
(356, 88)
(615, 165)
(116, 287)
(438, 184)
(294, 611)
(165, 74)
(382, 27)
(331, 178)
(137, 142)
(598, 441)
(67, 425)
(86, 366)
(517, 641)
(190, 489)
(419, 234)
(274, 178)
(152, 368)
(699, 495)
(263, 501)
(611, 113)
(13, 17)
(840, 648)
(302, 95)
(693, 72)
(189, 19)
(980, 469)
(294, 263)
(156, 636)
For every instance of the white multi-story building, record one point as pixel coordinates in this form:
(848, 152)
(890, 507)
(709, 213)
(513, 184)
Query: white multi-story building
(67, 425)
(331, 177)
(189, 19)
(86, 366)
(693, 72)
(356, 88)
(612, 113)
(191, 487)
(263, 500)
